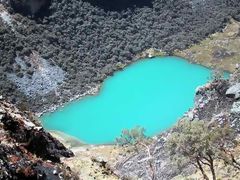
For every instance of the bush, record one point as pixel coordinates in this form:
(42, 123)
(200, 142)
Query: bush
(132, 136)
(200, 144)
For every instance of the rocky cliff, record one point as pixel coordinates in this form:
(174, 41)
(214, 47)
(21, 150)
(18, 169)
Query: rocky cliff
(27, 151)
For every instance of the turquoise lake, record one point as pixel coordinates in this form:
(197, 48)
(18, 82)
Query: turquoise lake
(152, 94)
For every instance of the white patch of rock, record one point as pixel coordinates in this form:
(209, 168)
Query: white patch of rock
(44, 79)
(234, 91)
(236, 107)
(6, 17)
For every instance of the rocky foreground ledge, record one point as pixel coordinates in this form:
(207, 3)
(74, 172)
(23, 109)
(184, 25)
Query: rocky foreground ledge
(27, 151)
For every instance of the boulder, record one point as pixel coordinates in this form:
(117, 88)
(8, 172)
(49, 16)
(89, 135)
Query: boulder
(236, 107)
(234, 91)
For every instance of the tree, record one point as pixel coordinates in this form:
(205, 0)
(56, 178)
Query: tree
(201, 144)
(134, 139)
(132, 136)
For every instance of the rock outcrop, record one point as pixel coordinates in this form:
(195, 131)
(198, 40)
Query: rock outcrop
(234, 91)
(236, 107)
(27, 151)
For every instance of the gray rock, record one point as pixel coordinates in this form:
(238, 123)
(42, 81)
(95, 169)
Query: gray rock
(2, 111)
(45, 77)
(138, 166)
(234, 91)
(236, 107)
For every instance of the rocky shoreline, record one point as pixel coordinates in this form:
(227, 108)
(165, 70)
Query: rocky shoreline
(93, 91)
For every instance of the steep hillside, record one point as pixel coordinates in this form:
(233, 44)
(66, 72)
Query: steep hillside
(52, 52)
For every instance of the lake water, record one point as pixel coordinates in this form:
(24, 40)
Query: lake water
(152, 94)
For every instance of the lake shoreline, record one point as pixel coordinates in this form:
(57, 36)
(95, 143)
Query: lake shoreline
(114, 92)
(151, 53)
(94, 90)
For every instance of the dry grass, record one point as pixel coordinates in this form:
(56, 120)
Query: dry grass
(86, 162)
(220, 50)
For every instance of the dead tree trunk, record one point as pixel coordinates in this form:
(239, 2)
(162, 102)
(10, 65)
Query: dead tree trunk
(150, 160)
(199, 165)
(212, 167)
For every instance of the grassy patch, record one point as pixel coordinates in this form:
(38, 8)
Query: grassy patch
(220, 50)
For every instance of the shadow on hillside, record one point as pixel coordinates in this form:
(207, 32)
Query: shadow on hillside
(118, 5)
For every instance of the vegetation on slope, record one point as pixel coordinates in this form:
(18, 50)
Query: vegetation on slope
(201, 144)
(88, 42)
